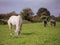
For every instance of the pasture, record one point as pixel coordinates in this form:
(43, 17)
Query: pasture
(31, 34)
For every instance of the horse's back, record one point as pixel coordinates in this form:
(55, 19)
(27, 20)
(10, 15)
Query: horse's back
(52, 21)
(15, 20)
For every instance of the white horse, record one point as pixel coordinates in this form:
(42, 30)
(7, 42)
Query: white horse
(17, 22)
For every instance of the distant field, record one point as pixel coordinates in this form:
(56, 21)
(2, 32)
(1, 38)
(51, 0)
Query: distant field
(31, 34)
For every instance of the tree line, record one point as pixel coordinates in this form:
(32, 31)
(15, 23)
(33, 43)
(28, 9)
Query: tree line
(28, 14)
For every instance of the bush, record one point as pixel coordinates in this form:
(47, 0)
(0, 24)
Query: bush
(2, 22)
(25, 21)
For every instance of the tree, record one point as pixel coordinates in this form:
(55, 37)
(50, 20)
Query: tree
(26, 12)
(12, 13)
(43, 12)
(58, 18)
(52, 16)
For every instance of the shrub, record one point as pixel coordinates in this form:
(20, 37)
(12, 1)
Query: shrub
(2, 22)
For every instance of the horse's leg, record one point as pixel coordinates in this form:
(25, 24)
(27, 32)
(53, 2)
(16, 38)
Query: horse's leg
(17, 30)
(54, 24)
(20, 27)
(10, 27)
(51, 23)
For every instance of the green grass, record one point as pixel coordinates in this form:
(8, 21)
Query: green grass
(31, 34)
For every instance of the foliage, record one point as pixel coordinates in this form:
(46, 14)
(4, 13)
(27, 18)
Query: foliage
(43, 12)
(3, 16)
(28, 15)
(26, 12)
(12, 13)
(7, 15)
(58, 18)
(26, 22)
(3, 22)
(36, 19)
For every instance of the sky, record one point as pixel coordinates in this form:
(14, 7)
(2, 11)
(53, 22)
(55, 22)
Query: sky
(7, 6)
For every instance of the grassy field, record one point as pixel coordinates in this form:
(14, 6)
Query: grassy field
(31, 34)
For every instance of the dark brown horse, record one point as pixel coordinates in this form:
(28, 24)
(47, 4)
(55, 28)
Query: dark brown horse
(45, 22)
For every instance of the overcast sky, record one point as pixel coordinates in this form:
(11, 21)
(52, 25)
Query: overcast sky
(17, 5)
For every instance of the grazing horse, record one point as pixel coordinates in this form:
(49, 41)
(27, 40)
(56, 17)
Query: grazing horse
(45, 22)
(53, 22)
(17, 22)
